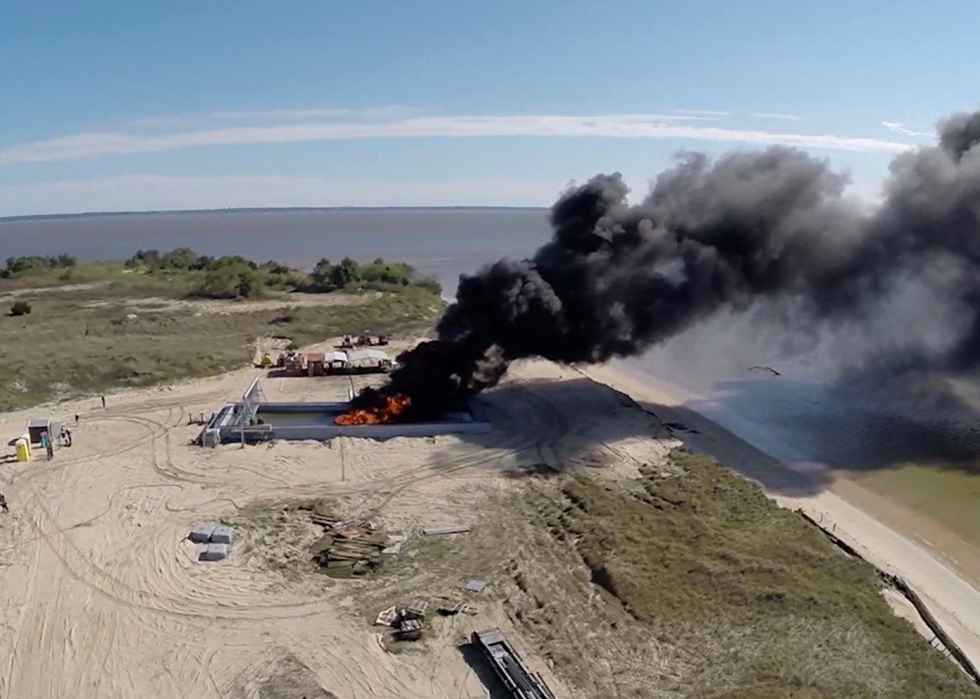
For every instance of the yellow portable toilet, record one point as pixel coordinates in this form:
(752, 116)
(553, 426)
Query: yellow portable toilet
(27, 440)
(23, 450)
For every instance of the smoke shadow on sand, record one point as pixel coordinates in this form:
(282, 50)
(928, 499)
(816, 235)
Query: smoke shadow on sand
(850, 427)
(795, 436)
(543, 427)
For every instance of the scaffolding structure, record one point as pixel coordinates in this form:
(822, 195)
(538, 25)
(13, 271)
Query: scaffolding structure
(248, 408)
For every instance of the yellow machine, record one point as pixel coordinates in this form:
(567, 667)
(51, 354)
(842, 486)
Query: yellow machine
(266, 361)
(23, 450)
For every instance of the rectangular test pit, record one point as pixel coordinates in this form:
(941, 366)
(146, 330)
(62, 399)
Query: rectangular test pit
(315, 421)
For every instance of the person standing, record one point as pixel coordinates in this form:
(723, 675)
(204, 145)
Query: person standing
(103, 401)
(47, 445)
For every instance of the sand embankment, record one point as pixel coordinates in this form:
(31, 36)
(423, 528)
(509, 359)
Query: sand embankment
(842, 506)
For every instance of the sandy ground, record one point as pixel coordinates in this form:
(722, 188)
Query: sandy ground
(206, 307)
(63, 289)
(885, 534)
(102, 596)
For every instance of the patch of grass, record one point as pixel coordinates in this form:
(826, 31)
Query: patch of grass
(287, 678)
(42, 278)
(709, 564)
(83, 341)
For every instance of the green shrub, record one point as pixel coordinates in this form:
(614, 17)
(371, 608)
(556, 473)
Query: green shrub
(34, 264)
(20, 308)
(430, 284)
(230, 281)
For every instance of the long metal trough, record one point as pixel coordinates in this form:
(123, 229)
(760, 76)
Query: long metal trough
(269, 421)
(507, 664)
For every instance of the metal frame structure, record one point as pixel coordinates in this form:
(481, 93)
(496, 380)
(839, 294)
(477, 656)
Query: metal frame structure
(232, 422)
(509, 668)
(248, 408)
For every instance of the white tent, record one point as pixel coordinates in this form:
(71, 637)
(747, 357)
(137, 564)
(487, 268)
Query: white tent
(367, 354)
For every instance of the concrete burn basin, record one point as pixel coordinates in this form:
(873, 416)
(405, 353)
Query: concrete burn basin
(315, 421)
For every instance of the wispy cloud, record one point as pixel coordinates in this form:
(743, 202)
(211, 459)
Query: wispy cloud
(275, 115)
(899, 127)
(637, 126)
(776, 115)
(709, 114)
(706, 113)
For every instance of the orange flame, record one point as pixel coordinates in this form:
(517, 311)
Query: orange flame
(394, 407)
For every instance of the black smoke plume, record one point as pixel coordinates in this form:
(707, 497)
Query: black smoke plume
(772, 226)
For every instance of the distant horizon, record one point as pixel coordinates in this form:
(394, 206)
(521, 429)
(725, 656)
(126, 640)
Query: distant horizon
(425, 236)
(262, 209)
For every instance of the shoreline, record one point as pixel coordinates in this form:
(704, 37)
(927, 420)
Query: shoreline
(884, 533)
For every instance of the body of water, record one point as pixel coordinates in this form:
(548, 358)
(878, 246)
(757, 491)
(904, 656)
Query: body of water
(441, 242)
(798, 416)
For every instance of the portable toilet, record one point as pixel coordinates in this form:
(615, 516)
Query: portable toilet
(23, 450)
(27, 438)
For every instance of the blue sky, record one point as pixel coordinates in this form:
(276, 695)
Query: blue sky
(133, 105)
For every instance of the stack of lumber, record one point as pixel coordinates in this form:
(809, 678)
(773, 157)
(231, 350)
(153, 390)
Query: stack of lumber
(348, 548)
(325, 521)
(409, 630)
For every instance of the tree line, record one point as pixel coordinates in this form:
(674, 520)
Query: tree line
(19, 266)
(234, 276)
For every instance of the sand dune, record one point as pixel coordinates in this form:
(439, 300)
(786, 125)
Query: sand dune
(853, 514)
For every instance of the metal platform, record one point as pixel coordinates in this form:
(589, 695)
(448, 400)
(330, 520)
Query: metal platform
(508, 666)
(253, 419)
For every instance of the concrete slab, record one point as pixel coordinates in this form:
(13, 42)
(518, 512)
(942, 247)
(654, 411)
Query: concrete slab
(201, 533)
(475, 585)
(214, 552)
(222, 535)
